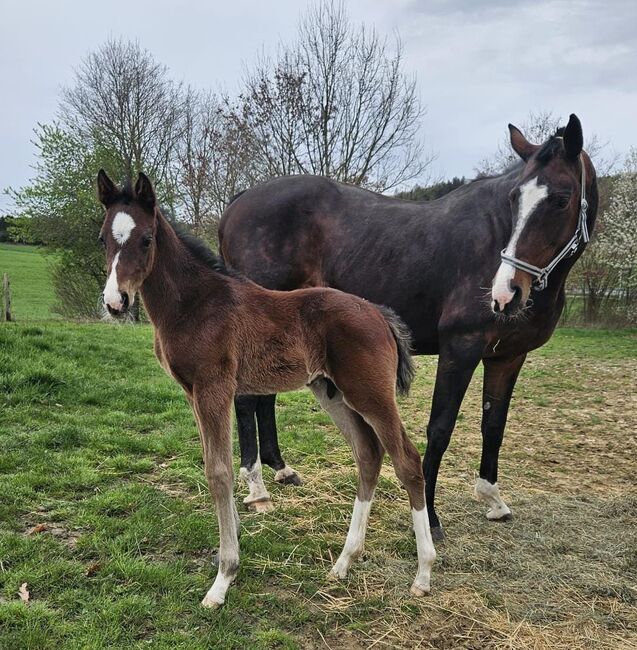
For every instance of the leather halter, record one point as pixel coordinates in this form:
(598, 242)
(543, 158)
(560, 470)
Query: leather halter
(541, 275)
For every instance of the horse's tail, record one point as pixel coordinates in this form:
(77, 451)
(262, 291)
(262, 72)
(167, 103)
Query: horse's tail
(402, 336)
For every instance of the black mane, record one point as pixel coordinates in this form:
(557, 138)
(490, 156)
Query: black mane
(202, 253)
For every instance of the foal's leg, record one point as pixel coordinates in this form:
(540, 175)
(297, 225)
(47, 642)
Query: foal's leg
(455, 369)
(377, 405)
(213, 410)
(368, 454)
(258, 498)
(269, 442)
(500, 376)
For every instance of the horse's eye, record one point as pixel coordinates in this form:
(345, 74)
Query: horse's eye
(146, 240)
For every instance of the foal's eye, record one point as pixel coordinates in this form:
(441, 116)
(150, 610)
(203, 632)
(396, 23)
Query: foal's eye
(146, 240)
(100, 239)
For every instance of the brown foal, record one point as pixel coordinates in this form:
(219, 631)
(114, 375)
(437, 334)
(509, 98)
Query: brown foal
(218, 334)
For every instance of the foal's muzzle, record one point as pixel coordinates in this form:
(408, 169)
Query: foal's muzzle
(122, 308)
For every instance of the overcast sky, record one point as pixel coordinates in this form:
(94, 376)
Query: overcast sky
(479, 64)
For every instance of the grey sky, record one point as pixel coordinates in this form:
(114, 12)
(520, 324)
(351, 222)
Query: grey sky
(479, 64)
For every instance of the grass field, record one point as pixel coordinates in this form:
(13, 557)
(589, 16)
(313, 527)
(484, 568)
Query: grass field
(30, 276)
(99, 453)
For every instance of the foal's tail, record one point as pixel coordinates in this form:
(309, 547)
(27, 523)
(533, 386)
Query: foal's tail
(402, 336)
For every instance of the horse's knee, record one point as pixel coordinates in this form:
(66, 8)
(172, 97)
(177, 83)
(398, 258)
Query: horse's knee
(219, 478)
(438, 439)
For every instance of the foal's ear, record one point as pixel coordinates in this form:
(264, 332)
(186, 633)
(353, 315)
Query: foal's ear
(520, 144)
(106, 190)
(144, 191)
(573, 138)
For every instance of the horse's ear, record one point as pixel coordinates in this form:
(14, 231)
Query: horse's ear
(520, 144)
(144, 191)
(573, 138)
(107, 191)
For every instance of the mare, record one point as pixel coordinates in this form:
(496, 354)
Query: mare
(219, 334)
(477, 275)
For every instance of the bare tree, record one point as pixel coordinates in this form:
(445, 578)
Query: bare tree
(214, 160)
(124, 101)
(335, 103)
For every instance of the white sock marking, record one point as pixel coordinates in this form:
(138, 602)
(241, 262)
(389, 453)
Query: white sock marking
(122, 226)
(489, 493)
(355, 540)
(254, 478)
(531, 194)
(426, 551)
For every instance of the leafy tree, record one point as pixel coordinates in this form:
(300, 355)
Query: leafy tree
(60, 203)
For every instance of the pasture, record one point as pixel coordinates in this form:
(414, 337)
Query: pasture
(105, 512)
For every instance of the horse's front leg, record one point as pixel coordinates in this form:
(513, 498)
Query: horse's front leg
(212, 405)
(456, 364)
(500, 376)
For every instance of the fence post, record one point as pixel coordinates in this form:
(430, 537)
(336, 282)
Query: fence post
(7, 297)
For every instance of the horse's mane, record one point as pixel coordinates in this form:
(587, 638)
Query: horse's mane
(202, 253)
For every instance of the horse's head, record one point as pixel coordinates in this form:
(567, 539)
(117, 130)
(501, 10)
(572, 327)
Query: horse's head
(549, 209)
(128, 236)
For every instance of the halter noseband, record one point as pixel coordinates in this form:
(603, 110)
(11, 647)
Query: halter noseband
(581, 234)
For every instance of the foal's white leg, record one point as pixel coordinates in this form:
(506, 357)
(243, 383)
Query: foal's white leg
(258, 498)
(489, 493)
(426, 552)
(355, 541)
(368, 454)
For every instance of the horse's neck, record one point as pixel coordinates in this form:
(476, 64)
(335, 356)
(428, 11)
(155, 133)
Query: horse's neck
(177, 281)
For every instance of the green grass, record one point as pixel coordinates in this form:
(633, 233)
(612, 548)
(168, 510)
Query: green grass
(31, 288)
(97, 444)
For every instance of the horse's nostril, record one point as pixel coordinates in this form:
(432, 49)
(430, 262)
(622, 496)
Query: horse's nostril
(125, 300)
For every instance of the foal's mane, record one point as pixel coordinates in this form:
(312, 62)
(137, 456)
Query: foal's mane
(202, 253)
(196, 246)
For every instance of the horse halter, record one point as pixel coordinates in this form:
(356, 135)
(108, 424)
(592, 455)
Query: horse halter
(541, 275)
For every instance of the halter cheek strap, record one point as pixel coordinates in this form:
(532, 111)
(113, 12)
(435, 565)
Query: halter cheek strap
(541, 275)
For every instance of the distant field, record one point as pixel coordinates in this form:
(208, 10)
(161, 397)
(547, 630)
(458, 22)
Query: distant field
(99, 453)
(31, 288)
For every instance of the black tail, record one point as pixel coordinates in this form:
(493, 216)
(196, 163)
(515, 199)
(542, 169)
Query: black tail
(402, 336)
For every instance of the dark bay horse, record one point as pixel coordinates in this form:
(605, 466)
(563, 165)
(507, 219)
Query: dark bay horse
(440, 265)
(219, 334)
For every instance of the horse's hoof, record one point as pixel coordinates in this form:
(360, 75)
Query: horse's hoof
(265, 505)
(437, 535)
(287, 476)
(507, 516)
(335, 575)
(211, 603)
(419, 590)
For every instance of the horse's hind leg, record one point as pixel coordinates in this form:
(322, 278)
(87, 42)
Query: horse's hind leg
(368, 454)
(269, 451)
(500, 376)
(258, 499)
(376, 403)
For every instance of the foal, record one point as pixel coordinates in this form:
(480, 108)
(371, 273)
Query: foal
(218, 334)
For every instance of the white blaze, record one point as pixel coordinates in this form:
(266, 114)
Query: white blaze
(112, 296)
(531, 194)
(122, 227)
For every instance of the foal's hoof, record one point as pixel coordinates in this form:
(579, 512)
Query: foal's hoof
(287, 476)
(211, 603)
(419, 590)
(336, 574)
(264, 505)
(437, 535)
